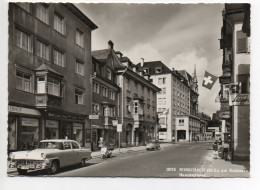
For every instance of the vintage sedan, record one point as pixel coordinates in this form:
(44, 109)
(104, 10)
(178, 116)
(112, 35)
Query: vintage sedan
(153, 145)
(50, 155)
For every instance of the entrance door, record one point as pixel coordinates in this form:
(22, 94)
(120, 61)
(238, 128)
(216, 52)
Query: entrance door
(181, 135)
(66, 130)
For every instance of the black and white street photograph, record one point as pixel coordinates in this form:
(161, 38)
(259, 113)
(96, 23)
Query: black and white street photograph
(128, 90)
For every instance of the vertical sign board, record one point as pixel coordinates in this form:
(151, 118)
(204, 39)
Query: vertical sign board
(119, 129)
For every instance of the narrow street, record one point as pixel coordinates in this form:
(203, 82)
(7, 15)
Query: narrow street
(178, 160)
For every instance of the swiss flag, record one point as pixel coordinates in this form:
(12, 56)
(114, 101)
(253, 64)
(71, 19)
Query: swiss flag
(209, 80)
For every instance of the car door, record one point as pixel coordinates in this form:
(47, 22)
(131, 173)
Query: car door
(67, 154)
(77, 152)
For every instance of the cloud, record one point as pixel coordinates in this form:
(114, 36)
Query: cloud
(143, 50)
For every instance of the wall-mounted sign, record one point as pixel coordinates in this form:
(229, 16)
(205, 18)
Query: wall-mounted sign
(119, 128)
(239, 99)
(30, 122)
(93, 116)
(16, 109)
(52, 124)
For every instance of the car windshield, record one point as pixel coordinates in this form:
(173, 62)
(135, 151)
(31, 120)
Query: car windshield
(51, 145)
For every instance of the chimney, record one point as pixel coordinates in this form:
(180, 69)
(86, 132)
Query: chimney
(110, 44)
(134, 69)
(142, 62)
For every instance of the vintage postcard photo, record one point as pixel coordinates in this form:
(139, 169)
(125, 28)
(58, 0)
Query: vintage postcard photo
(128, 90)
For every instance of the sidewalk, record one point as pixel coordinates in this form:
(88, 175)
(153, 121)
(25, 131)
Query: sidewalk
(218, 167)
(116, 151)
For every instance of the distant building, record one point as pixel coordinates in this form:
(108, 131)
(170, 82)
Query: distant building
(137, 98)
(235, 85)
(49, 73)
(174, 103)
(204, 120)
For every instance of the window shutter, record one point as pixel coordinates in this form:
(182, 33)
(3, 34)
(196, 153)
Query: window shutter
(241, 42)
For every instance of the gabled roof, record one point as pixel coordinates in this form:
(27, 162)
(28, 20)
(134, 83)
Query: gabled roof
(152, 65)
(109, 56)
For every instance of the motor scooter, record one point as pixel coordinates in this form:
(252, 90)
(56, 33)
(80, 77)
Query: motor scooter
(106, 152)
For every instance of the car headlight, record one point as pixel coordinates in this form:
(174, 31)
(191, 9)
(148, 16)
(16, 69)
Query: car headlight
(12, 155)
(43, 155)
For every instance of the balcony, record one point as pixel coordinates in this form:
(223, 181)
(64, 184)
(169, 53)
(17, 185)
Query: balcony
(43, 101)
(138, 117)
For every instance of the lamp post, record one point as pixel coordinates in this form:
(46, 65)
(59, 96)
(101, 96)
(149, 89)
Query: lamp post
(119, 129)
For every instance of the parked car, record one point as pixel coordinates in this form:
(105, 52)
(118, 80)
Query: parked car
(153, 145)
(51, 155)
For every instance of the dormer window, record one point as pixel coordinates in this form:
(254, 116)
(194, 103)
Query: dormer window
(109, 74)
(158, 69)
(146, 70)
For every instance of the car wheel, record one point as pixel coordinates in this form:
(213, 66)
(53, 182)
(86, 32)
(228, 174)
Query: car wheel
(84, 162)
(54, 168)
(22, 172)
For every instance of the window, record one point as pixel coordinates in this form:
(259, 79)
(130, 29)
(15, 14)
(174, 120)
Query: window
(161, 80)
(106, 111)
(162, 101)
(96, 87)
(42, 50)
(79, 38)
(242, 42)
(79, 68)
(163, 90)
(59, 23)
(181, 121)
(127, 84)
(95, 109)
(135, 107)
(78, 96)
(23, 81)
(111, 94)
(41, 85)
(104, 91)
(58, 58)
(74, 145)
(53, 87)
(23, 40)
(66, 145)
(146, 70)
(25, 6)
(162, 120)
(158, 69)
(42, 13)
(109, 74)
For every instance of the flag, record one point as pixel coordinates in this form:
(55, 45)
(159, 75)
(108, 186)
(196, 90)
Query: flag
(209, 80)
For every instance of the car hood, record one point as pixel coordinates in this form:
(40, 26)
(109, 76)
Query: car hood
(33, 154)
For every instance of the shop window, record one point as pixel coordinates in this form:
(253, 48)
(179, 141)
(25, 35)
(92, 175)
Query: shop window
(58, 58)
(79, 68)
(42, 13)
(59, 23)
(23, 81)
(79, 38)
(79, 97)
(23, 40)
(42, 50)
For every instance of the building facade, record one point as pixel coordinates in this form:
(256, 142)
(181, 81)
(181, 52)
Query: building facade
(235, 85)
(136, 101)
(49, 73)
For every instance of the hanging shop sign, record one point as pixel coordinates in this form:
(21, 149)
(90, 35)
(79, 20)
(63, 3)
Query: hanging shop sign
(30, 122)
(239, 100)
(93, 116)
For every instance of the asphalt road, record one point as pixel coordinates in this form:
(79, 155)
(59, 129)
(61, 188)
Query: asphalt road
(179, 160)
(168, 162)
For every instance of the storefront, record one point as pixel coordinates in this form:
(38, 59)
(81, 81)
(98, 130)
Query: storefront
(24, 129)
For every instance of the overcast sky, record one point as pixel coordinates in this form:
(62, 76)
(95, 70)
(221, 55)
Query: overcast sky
(179, 35)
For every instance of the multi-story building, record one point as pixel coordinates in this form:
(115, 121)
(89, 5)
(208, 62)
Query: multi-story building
(235, 88)
(105, 103)
(137, 98)
(174, 104)
(204, 119)
(49, 73)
